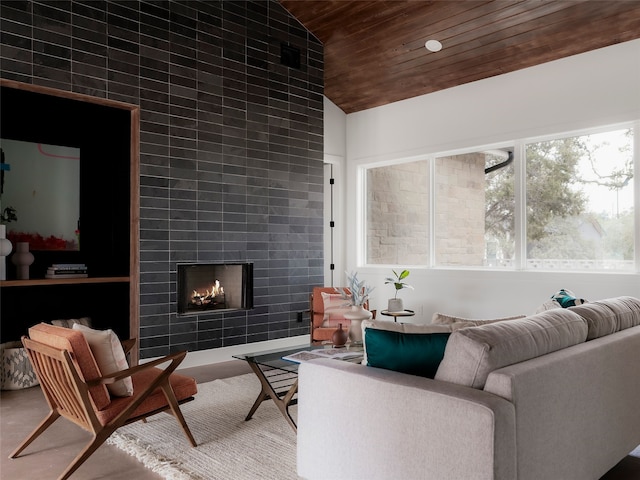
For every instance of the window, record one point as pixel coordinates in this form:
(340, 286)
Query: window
(397, 214)
(580, 202)
(474, 208)
(577, 199)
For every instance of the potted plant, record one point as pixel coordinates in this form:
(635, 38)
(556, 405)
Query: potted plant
(358, 291)
(8, 215)
(395, 304)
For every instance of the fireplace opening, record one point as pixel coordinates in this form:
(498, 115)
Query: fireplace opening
(208, 286)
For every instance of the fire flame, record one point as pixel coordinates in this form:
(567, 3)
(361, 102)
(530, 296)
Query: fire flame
(209, 295)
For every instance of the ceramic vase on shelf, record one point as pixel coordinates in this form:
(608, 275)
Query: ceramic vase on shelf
(356, 315)
(22, 259)
(5, 250)
(339, 337)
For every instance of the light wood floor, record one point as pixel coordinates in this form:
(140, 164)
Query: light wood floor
(48, 456)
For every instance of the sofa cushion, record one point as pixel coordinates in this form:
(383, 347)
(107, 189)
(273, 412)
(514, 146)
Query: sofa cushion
(548, 305)
(110, 357)
(399, 327)
(77, 346)
(472, 353)
(413, 353)
(459, 322)
(610, 315)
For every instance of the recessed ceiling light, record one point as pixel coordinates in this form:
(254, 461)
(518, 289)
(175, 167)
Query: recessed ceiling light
(433, 45)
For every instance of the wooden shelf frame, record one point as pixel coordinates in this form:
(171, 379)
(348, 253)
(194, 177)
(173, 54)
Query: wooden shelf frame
(134, 210)
(62, 281)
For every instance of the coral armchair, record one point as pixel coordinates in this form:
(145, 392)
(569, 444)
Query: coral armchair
(75, 389)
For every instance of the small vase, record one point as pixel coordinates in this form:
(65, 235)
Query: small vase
(395, 305)
(357, 314)
(5, 250)
(339, 337)
(22, 259)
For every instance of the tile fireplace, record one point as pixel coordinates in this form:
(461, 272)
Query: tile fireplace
(214, 287)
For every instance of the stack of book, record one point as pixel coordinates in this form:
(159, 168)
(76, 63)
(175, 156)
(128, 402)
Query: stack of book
(67, 270)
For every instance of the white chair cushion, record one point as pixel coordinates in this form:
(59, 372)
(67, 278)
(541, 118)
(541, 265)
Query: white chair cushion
(110, 357)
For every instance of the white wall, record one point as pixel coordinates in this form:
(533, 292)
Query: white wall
(596, 88)
(335, 150)
(335, 130)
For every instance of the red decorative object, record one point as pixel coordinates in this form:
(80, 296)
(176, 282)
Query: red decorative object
(38, 242)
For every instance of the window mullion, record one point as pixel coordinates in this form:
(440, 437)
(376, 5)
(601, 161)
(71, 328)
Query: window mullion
(636, 192)
(520, 211)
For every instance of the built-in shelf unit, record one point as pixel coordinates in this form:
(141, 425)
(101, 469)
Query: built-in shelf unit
(107, 134)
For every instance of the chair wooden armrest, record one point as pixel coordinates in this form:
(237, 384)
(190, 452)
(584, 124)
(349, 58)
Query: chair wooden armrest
(127, 345)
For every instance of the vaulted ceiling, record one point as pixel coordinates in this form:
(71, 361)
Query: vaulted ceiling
(375, 50)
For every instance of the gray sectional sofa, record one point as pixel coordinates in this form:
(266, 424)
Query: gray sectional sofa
(551, 396)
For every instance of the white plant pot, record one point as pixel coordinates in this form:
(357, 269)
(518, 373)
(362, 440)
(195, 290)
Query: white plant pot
(395, 305)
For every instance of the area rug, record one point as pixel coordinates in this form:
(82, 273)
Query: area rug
(228, 446)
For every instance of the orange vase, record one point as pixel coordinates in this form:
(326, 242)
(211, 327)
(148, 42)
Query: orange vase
(339, 337)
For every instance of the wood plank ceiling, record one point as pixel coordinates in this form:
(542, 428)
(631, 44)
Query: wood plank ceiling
(375, 53)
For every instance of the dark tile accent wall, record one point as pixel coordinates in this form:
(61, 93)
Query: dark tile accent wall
(231, 144)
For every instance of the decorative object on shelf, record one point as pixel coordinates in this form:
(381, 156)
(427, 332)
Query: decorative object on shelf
(37, 242)
(22, 259)
(339, 337)
(5, 250)
(357, 314)
(357, 296)
(395, 304)
(67, 270)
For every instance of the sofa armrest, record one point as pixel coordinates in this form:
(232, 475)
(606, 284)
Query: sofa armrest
(356, 421)
(582, 404)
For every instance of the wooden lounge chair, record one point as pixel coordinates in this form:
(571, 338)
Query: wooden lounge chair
(76, 390)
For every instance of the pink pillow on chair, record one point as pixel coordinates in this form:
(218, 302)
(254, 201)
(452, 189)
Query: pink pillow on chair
(334, 309)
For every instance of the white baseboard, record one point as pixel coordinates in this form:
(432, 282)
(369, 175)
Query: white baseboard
(224, 354)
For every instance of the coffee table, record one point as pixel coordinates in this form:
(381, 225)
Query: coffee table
(278, 378)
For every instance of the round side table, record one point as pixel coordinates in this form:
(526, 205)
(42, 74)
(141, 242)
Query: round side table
(395, 315)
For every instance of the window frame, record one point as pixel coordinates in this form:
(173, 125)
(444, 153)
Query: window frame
(520, 191)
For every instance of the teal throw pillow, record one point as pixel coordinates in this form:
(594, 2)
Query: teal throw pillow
(413, 353)
(566, 299)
